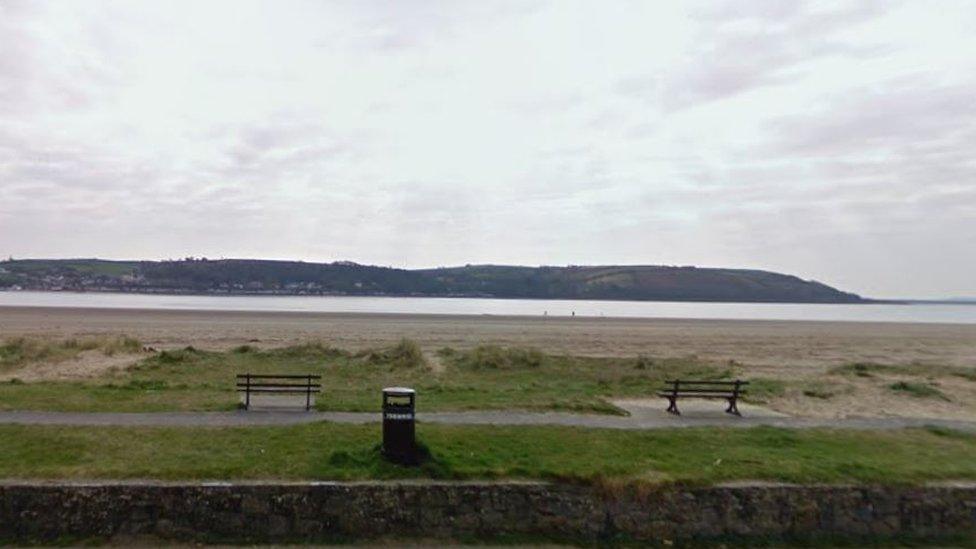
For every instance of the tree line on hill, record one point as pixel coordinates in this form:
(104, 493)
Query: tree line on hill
(248, 276)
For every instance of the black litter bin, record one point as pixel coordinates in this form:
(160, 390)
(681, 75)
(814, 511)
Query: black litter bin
(399, 406)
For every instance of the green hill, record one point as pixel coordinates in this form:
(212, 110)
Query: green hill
(244, 276)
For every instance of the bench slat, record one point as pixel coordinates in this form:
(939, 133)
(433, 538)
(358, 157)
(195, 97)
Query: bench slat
(682, 390)
(303, 385)
(715, 397)
(283, 376)
(690, 382)
(295, 391)
(695, 393)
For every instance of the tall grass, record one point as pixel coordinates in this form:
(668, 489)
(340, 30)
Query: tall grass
(919, 390)
(406, 354)
(494, 357)
(21, 351)
(917, 369)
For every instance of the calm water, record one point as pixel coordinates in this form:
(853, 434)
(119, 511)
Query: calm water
(957, 314)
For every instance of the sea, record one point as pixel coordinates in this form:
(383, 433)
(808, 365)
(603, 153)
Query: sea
(873, 312)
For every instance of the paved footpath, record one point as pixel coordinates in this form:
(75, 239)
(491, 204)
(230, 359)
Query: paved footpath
(641, 417)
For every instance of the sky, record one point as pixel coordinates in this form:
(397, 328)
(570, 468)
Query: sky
(830, 140)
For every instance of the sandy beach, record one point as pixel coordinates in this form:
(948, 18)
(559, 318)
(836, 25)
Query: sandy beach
(760, 343)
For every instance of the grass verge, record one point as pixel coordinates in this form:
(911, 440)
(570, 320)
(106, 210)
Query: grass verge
(349, 452)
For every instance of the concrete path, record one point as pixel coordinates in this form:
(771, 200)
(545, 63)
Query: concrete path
(642, 416)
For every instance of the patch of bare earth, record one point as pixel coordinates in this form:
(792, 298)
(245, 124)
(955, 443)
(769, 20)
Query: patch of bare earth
(435, 363)
(86, 364)
(835, 396)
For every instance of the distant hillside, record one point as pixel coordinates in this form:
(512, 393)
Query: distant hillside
(245, 276)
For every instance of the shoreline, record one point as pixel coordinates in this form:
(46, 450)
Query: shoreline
(934, 313)
(192, 293)
(460, 316)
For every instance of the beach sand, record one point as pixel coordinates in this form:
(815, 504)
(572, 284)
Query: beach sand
(760, 343)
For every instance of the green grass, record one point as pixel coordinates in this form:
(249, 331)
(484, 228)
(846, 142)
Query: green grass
(824, 390)
(873, 369)
(495, 357)
(919, 390)
(349, 452)
(761, 390)
(83, 266)
(486, 377)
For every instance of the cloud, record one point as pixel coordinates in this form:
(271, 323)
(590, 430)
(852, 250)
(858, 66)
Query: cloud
(742, 47)
(46, 70)
(829, 140)
(908, 115)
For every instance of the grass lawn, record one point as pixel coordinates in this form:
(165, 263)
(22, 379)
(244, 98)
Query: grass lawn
(349, 452)
(485, 377)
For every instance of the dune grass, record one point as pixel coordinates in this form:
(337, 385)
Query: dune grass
(873, 369)
(918, 390)
(486, 377)
(19, 352)
(349, 452)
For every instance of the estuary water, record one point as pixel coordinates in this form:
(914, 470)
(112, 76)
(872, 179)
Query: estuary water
(920, 312)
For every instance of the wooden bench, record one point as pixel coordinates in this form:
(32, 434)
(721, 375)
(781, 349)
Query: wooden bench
(684, 388)
(278, 384)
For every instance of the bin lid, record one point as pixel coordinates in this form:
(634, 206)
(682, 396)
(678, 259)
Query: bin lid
(398, 391)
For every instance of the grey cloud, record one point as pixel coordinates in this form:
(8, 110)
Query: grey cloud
(729, 59)
(907, 113)
(282, 146)
(36, 159)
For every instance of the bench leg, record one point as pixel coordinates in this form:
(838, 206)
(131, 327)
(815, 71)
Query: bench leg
(673, 406)
(733, 409)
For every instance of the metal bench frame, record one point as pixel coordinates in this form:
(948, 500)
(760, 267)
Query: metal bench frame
(726, 390)
(265, 383)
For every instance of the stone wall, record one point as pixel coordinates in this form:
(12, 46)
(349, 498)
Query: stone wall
(38, 512)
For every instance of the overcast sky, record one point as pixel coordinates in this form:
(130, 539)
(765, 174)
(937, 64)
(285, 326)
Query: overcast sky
(834, 141)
